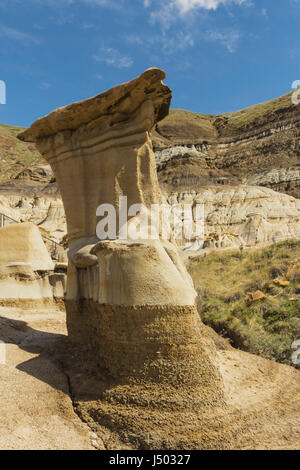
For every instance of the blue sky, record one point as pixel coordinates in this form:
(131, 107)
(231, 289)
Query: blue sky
(219, 55)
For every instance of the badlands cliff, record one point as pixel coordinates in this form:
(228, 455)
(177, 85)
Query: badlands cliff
(257, 146)
(242, 216)
(197, 150)
(143, 371)
(219, 160)
(234, 216)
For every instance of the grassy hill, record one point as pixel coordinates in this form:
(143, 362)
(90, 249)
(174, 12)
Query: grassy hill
(234, 146)
(183, 126)
(253, 297)
(239, 122)
(14, 154)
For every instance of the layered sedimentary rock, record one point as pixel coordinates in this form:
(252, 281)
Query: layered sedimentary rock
(22, 243)
(283, 180)
(243, 216)
(45, 212)
(26, 269)
(131, 299)
(235, 216)
(200, 150)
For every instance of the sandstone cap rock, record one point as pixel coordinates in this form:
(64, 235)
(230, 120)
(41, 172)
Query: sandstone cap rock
(112, 106)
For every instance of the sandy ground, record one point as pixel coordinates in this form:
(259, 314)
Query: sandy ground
(36, 410)
(39, 410)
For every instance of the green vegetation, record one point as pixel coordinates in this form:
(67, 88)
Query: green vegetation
(185, 124)
(15, 155)
(245, 119)
(228, 284)
(181, 123)
(11, 130)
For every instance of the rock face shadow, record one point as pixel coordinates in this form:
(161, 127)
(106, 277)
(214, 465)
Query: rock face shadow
(55, 351)
(40, 343)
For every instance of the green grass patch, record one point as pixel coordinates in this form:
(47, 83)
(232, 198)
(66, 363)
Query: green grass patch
(266, 327)
(182, 123)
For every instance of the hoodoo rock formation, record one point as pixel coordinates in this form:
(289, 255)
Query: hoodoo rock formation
(27, 272)
(160, 382)
(132, 299)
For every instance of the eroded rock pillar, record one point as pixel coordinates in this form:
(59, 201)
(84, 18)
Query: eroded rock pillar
(132, 300)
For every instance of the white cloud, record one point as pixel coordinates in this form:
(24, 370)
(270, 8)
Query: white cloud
(184, 6)
(165, 43)
(65, 3)
(100, 3)
(87, 26)
(62, 18)
(229, 39)
(46, 86)
(168, 11)
(16, 34)
(114, 4)
(264, 12)
(137, 40)
(177, 43)
(112, 57)
(54, 3)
